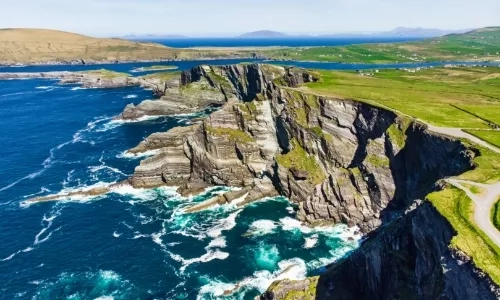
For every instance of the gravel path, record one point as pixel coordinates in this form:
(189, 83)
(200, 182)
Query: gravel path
(484, 202)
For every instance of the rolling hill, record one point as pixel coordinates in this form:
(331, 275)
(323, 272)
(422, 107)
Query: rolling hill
(28, 46)
(476, 45)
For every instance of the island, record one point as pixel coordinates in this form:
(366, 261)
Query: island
(154, 68)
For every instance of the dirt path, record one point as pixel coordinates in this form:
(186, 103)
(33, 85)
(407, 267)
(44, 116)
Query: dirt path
(483, 204)
(458, 133)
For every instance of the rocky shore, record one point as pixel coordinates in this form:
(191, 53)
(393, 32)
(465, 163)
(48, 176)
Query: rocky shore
(341, 161)
(75, 62)
(90, 79)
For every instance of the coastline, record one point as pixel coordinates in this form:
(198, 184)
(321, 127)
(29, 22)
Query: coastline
(80, 62)
(264, 59)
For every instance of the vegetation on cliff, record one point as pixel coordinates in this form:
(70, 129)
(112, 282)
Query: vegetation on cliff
(458, 209)
(107, 73)
(495, 214)
(299, 159)
(234, 135)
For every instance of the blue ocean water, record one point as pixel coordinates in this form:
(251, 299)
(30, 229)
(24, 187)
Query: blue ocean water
(266, 42)
(130, 244)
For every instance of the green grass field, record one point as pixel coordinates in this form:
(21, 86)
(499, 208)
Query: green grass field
(449, 97)
(478, 45)
(107, 73)
(490, 136)
(459, 209)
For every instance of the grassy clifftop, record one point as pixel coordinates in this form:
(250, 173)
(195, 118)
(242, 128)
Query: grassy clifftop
(41, 45)
(449, 97)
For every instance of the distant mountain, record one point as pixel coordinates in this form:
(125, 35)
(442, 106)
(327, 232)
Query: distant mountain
(421, 32)
(153, 37)
(263, 34)
(417, 32)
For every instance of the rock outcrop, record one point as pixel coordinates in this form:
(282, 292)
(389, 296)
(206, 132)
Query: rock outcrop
(208, 86)
(341, 161)
(408, 259)
(87, 79)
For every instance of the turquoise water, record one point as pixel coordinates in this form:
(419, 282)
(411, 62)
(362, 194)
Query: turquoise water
(130, 244)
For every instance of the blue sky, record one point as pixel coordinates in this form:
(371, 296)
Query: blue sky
(226, 17)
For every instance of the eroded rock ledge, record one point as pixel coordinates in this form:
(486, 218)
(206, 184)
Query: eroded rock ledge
(341, 161)
(89, 79)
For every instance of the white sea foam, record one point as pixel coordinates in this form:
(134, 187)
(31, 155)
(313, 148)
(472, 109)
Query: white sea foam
(294, 269)
(129, 155)
(51, 87)
(262, 227)
(42, 190)
(29, 176)
(28, 249)
(219, 242)
(223, 225)
(144, 194)
(290, 224)
(132, 96)
(103, 166)
(116, 234)
(311, 241)
(209, 256)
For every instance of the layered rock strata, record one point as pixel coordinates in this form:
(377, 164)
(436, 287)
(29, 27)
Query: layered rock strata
(409, 259)
(341, 161)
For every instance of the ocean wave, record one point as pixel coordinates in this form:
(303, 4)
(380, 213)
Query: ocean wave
(103, 166)
(131, 96)
(105, 284)
(144, 195)
(76, 88)
(223, 225)
(219, 242)
(28, 249)
(141, 155)
(50, 87)
(209, 256)
(29, 176)
(293, 269)
(311, 241)
(261, 227)
(266, 256)
(47, 222)
(116, 234)
(50, 160)
(76, 194)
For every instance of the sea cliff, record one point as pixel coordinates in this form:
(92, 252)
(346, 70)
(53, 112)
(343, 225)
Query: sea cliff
(339, 160)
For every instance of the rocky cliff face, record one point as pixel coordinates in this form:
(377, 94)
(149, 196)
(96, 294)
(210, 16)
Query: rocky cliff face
(409, 259)
(340, 160)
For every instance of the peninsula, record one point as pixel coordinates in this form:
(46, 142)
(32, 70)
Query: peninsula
(361, 150)
(36, 46)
